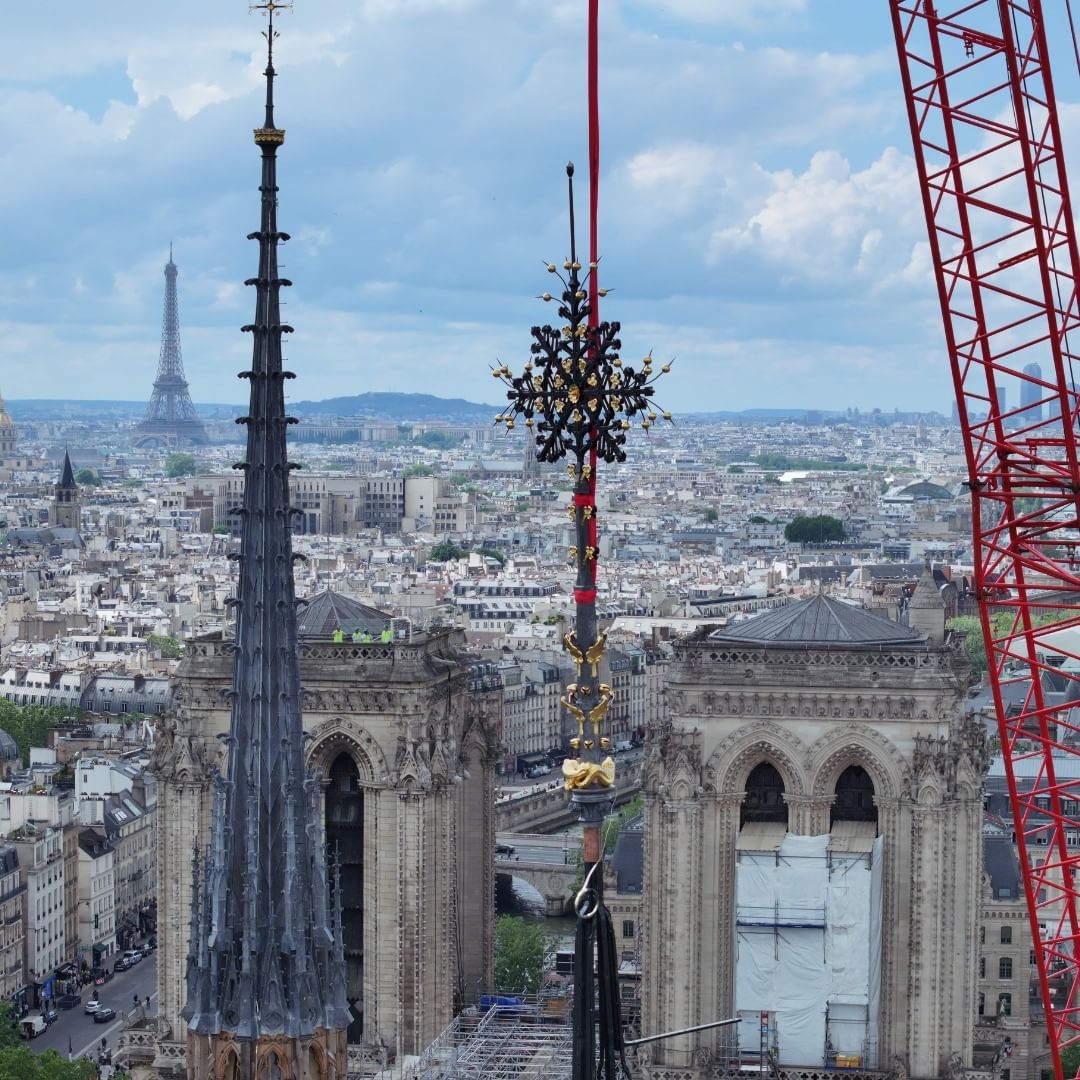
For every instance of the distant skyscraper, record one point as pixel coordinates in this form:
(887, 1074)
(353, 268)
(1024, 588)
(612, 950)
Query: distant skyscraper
(170, 418)
(1030, 395)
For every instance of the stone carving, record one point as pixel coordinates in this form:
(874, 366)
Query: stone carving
(899, 1069)
(857, 744)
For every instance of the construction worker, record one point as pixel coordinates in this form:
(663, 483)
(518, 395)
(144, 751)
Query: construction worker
(356, 635)
(386, 636)
(365, 637)
(339, 636)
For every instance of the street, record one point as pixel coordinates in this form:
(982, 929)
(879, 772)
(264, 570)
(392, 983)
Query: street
(78, 1031)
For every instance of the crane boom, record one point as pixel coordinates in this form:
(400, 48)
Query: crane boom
(984, 125)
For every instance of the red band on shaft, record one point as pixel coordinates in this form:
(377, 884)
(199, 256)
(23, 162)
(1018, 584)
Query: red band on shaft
(585, 596)
(584, 500)
(594, 199)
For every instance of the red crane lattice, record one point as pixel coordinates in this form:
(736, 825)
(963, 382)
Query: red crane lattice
(1003, 246)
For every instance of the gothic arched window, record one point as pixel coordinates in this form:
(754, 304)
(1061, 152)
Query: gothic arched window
(764, 796)
(854, 796)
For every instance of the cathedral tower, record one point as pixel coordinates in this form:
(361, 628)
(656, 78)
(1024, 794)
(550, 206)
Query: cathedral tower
(812, 845)
(400, 761)
(66, 509)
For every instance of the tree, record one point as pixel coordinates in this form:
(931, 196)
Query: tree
(9, 1026)
(1070, 1060)
(88, 478)
(820, 529)
(445, 552)
(180, 465)
(169, 647)
(29, 725)
(971, 627)
(523, 952)
(22, 1062)
(417, 470)
(711, 515)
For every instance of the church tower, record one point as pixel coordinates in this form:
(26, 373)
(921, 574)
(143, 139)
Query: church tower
(66, 509)
(812, 845)
(266, 966)
(390, 766)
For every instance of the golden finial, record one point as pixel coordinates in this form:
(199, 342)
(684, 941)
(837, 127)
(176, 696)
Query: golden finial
(586, 471)
(588, 512)
(590, 553)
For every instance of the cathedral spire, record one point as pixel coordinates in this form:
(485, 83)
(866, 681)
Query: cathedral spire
(269, 967)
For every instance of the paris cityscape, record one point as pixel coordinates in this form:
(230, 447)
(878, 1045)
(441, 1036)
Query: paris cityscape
(655, 660)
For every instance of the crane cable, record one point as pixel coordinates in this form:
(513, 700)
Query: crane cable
(1072, 30)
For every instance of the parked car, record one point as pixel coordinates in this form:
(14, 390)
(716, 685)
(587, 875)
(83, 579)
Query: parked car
(32, 1026)
(50, 1016)
(134, 955)
(147, 948)
(104, 1015)
(69, 1001)
(123, 963)
(91, 1006)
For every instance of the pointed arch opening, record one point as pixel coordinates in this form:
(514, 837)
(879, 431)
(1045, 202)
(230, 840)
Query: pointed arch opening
(764, 796)
(345, 838)
(854, 796)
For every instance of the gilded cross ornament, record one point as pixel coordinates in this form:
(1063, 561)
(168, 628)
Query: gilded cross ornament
(578, 398)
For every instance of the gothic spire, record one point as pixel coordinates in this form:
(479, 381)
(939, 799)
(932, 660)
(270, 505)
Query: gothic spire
(67, 477)
(268, 964)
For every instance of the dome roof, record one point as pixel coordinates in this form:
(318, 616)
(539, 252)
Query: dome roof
(5, 420)
(821, 620)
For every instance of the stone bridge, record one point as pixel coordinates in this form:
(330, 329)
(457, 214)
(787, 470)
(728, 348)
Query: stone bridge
(547, 807)
(551, 880)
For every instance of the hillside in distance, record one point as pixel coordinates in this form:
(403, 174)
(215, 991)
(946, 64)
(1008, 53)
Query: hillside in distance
(395, 406)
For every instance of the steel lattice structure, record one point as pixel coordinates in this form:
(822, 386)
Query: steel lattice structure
(170, 416)
(988, 151)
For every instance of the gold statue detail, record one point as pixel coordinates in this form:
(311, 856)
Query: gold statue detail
(583, 774)
(592, 656)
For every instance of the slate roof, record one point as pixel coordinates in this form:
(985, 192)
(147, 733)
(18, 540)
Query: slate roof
(999, 862)
(627, 859)
(8, 750)
(821, 620)
(328, 611)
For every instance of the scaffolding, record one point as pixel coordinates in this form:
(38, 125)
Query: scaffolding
(530, 1040)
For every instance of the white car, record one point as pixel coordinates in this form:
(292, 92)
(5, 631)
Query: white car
(92, 1007)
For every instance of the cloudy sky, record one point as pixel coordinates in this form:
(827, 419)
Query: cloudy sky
(759, 216)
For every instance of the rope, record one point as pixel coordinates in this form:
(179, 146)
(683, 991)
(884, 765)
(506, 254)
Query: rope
(1072, 30)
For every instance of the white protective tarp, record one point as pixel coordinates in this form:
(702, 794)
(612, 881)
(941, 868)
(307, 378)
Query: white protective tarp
(808, 946)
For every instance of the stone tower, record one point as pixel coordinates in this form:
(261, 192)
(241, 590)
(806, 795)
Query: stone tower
(391, 764)
(812, 846)
(266, 970)
(66, 509)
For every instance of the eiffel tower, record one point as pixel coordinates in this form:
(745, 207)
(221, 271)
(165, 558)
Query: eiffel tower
(170, 418)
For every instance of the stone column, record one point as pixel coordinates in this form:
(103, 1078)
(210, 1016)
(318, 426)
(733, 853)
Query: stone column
(808, 815)
(673, 891)
(716, 973)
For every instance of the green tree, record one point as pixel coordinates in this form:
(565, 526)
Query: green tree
(221, 530)
(1070, 1060)
(180, 465)
(820, 529)
(22, 1062)
(417, 470)
(523, 952)
(445, 551)
(971, 627)
(711, 515)
(9, 1026)
(491, 553)
(169, 647)
(29, 725)
(88, 478)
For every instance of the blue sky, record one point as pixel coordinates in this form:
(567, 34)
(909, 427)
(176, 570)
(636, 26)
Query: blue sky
(759, 215)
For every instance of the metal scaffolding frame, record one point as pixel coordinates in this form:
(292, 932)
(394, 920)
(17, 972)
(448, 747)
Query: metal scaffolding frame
(530, 1041)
